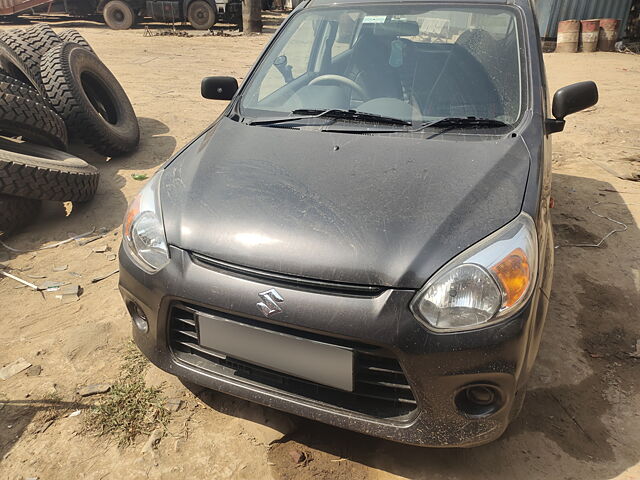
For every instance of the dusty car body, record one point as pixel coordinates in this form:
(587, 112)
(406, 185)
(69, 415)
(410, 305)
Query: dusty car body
(363, 237)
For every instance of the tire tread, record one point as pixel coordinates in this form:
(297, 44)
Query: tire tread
(64, 94)
(45, 182)
(16, 212)
(73, 36)
(21, 116)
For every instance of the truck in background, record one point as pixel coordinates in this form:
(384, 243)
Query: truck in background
(123, 14)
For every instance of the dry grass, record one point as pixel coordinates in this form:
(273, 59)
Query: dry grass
(130, 408)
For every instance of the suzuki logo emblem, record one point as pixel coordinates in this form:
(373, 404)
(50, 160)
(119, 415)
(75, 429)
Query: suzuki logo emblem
(269, 304)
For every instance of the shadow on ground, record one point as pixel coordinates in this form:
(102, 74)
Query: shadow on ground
(106, 211)
(19, 416)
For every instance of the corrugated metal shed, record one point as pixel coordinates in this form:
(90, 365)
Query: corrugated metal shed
(550, 12)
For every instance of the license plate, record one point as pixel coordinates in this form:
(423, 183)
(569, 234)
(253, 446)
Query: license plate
(308, 359)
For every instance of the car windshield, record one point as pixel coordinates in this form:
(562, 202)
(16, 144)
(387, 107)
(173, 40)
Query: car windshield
(400, 61)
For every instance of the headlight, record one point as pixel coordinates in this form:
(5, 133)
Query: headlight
(484, 284)
(143, 229)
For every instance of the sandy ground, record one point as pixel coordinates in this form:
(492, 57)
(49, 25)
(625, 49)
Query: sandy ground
(582, 415)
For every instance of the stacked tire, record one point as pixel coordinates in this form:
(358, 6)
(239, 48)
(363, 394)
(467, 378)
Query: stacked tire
(53, 90)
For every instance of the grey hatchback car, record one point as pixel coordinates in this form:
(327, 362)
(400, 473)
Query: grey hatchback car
(363, 237)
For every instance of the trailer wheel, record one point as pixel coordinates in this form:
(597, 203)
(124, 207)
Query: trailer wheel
(89, 98)
(33, 121)
(73, 36)
(118, 15)
(41, 173)
(15, 212)
(201, 15)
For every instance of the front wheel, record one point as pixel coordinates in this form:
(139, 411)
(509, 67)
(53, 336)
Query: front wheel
(201, 15)
(118, 15)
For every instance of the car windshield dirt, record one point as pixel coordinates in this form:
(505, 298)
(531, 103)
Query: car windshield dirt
(406, 62)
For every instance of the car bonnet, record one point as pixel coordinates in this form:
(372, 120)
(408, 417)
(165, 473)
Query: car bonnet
(384, 210)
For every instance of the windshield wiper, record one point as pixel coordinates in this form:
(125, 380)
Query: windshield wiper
(448, 123)
(304, 114)
(462, 122)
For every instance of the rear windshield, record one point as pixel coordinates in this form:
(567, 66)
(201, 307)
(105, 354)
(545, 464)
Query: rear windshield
(417, 63)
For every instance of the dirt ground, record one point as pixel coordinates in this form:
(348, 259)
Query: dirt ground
(581, 419)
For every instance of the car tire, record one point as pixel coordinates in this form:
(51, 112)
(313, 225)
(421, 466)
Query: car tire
(41, 173)
(20, 60)
(88, 97)
(201, 15)
(118, 15)
(16, 212)
(33, 121)
(73, 36)
(20, 89)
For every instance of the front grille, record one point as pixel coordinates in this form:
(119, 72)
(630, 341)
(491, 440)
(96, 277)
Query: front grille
(381, 389)
(300, 283)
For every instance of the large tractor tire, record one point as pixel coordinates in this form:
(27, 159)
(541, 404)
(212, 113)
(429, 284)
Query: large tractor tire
(40, 37)
(20, 89)
(20, 60)
(201, 15)
(16, 212)
(88, 97)
(33, 121)
(118, 15)
(73, 36)
(42, 173)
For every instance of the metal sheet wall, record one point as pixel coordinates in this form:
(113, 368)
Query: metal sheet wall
(550, 12)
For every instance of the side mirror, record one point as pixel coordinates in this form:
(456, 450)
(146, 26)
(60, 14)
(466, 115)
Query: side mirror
(569, 100)
(219, 88)
(281, 60)
(282, 64)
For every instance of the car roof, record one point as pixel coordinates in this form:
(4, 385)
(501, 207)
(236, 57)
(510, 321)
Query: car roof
(316, 3)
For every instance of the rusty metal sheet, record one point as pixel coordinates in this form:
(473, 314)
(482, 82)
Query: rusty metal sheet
(9, 7)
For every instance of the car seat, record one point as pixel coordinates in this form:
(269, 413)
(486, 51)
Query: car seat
(369, 66)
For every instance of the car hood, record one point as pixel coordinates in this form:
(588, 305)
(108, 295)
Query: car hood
(383, 210)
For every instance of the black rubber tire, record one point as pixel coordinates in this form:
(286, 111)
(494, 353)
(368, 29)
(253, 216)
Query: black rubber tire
(201, 15)
(9, 32)
(33, 121)
(118, 15)
(73, 36)
(42, 173)
(20, 89)
(20, 60)
(88, 97)
(16, 212)
(40, 37)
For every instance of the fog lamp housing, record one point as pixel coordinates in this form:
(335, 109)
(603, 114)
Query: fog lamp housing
(138, 317)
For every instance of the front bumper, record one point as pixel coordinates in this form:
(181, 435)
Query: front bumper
(436, 366)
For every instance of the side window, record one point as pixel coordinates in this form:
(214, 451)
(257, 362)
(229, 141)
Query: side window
(292, 62)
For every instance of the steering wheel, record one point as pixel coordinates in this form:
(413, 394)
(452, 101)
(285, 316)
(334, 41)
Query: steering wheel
(323, 79)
